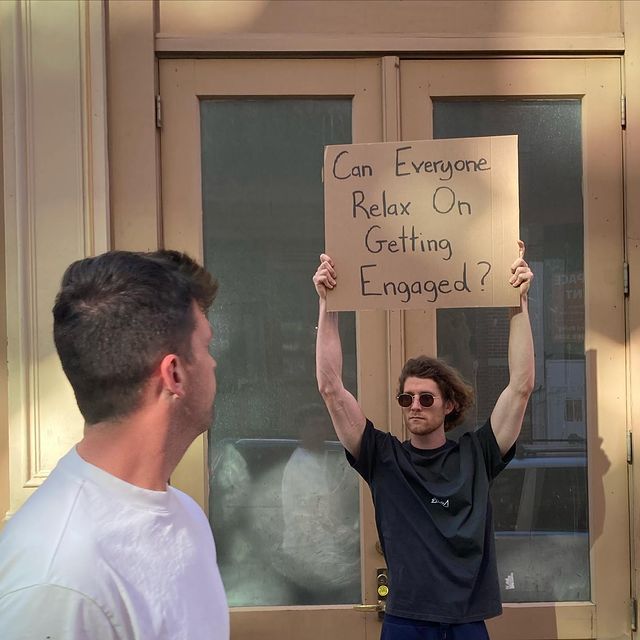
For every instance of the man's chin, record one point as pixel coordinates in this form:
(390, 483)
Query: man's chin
(416, 426)
(419, 426)
(208, 423)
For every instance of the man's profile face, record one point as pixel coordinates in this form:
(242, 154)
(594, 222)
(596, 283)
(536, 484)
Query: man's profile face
(201, 375)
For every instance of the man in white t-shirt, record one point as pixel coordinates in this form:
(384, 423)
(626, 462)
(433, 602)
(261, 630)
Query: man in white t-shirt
(105, 548)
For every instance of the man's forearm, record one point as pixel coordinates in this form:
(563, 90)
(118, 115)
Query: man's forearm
(328, 351)
(508, 414)
(521, 357)
(346, 414)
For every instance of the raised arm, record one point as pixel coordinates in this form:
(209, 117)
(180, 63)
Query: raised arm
(347, 416)
(508, 414)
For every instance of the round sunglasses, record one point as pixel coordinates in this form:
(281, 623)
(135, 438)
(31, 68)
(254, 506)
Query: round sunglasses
(405, 400)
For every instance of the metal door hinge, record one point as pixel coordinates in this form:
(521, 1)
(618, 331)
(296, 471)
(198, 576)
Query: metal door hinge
(625, 278)
(633, 606)
(158, 113)
(623, 111)
(629, 447)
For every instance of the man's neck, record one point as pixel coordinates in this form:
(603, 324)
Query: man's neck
(431, 440)
(139, 453)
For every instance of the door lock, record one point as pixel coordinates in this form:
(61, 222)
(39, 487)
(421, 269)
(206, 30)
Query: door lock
(382, 591)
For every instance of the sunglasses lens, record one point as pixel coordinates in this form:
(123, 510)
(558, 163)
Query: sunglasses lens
(405, 399)
(426, 399)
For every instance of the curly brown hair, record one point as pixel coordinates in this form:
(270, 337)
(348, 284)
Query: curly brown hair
(451, 384)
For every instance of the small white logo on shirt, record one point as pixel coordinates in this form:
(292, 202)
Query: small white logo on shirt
(444, 503)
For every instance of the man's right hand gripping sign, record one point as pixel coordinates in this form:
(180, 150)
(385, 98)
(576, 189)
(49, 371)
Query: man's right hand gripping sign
(431, 493)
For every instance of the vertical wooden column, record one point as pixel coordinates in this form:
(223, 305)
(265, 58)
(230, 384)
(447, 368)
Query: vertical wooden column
(55, 211)
(632, 222)
(391, 131)
(419, 327)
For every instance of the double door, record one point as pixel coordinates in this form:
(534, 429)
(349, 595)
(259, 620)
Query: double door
(241, 151)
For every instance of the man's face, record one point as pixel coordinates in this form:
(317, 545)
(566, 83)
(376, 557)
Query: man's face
(419, 420)
(201, 376)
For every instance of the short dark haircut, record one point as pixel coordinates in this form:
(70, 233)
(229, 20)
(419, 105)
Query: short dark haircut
(117, 315)
(451, 384)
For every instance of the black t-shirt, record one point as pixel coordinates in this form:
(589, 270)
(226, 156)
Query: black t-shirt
(435, 525)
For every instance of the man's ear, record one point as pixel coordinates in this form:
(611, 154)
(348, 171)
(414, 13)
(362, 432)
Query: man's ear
(172, 375)
(449, 406)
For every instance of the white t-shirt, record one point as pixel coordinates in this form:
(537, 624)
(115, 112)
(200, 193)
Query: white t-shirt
(92, 556)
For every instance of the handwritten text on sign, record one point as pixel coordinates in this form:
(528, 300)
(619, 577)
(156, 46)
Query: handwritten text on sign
(431, 223)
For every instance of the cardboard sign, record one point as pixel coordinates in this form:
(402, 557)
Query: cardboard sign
(425, 224)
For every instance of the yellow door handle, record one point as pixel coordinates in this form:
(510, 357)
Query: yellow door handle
(368, 607)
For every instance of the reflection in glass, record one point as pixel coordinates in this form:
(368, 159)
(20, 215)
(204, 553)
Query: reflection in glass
(284, 506)
(540, 500)
(320, 543)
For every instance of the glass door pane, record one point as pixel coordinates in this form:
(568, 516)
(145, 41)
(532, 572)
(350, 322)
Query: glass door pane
(283, 500)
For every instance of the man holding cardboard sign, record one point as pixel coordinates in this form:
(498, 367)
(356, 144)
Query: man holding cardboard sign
(431, 494)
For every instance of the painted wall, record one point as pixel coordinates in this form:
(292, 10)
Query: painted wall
(55, 211)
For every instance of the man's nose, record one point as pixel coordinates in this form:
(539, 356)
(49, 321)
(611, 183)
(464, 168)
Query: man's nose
(415, 402)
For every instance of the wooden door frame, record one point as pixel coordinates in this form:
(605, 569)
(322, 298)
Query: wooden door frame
(631, 135)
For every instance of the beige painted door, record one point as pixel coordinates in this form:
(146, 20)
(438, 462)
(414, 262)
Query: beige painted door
(561, 508)
(241, 155)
